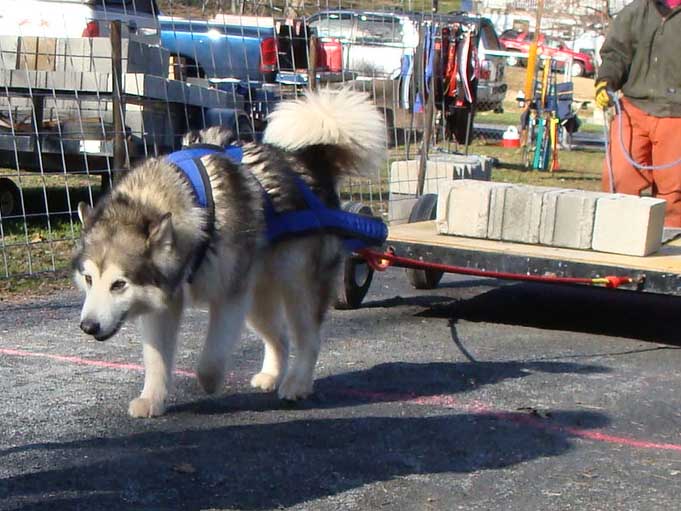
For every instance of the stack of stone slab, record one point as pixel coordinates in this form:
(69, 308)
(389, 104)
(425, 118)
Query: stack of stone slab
(558, 217)
(80, 54)
(440, 168)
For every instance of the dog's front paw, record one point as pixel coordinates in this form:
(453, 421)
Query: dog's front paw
(264, 381)
(294, 388)
(142, 408)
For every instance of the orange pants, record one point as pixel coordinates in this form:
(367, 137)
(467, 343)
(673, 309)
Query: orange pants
(650, 141)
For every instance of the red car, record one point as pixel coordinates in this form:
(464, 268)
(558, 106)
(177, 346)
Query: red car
(513, 40)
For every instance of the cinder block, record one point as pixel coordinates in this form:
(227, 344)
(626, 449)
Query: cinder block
(463, 207)
(439, 168)
(8, 52)
(567, 218)
(472, 166)
(515, 213)
(629, 225)
(399, 207)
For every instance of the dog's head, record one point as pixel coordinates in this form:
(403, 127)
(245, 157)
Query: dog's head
(125, 264)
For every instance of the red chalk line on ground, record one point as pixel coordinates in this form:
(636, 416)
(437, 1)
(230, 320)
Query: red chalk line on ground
(84, 361)
(441, 401)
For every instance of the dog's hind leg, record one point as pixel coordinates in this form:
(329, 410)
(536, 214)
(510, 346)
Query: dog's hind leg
(267, 319)
(307, 297)
(227, 317)
(159, 334)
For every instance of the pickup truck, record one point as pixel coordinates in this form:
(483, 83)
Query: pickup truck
(79, 18)
(242, 48)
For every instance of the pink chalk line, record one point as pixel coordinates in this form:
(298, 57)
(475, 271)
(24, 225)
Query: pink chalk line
(441, 401)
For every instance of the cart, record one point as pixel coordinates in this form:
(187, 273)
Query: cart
(418, 245)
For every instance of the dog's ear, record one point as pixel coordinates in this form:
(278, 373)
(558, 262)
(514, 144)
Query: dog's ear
(84, 212)
(161, 232)
(191, 137)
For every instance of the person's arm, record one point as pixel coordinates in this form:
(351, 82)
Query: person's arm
(618, 49)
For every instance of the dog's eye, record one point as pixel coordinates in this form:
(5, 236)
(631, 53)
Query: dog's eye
(118, 285)
(88, 280)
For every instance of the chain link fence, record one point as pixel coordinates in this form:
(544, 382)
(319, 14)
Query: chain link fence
(89, 88)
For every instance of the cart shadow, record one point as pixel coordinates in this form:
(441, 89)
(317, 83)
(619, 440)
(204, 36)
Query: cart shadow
(599, 311)
(275, 465)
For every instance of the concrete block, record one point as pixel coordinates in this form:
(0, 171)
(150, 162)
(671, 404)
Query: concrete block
(567, 218)
(515, 213)
(472, 166)
(439, 168)
(463, 207)
(8, 52)
(399, 207)
(630, 225)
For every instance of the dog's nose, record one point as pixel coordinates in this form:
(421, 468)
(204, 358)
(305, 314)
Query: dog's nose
(89, 327)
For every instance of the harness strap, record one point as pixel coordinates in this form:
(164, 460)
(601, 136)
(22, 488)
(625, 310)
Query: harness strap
(188, 161)
(357, 231)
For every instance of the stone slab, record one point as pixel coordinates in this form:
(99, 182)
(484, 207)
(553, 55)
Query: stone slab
(463, 207)
(515, 213)
(567, 218)
(630, 225)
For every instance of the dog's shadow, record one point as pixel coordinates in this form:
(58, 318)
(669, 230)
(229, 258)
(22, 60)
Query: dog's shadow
(389, 382)
(261, 466)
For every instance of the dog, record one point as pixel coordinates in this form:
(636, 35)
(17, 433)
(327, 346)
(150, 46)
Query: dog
(147, 248)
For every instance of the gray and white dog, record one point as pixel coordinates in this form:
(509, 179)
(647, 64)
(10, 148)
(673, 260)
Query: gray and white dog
(137, 248)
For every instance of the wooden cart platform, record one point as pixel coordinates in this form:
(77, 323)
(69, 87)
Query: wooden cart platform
(657, 273)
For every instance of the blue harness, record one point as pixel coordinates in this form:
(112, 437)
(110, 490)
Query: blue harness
(357, 231)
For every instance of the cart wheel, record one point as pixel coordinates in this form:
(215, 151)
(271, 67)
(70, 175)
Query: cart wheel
(10, 198)
(355, 279)
(424, 209)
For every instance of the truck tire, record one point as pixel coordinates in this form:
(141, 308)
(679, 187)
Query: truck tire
(356, 275)
(577, 68)
(424, 209)
(10, 198)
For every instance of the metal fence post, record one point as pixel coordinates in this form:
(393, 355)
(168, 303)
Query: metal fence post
(312, 63)
(121, 158)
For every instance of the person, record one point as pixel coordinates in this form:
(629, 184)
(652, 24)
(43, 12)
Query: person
(640, 58)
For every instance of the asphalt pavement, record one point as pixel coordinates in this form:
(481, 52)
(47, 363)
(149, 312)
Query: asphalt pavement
(479, 395)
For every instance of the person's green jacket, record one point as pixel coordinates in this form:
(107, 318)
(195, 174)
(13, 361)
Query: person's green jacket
(641, 56)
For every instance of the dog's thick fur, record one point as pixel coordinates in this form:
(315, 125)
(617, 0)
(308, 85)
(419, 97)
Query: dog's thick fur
(139, 242)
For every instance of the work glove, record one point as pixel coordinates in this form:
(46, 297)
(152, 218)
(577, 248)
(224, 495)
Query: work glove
(603, 98)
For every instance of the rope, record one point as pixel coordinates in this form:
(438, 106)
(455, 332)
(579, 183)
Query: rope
(381, 261)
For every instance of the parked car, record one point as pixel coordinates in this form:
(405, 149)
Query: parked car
(374, 44)
(80, 18)
(520, 41)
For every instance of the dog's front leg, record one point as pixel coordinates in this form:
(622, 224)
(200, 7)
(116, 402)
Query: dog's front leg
(227, 317)
(159, 331)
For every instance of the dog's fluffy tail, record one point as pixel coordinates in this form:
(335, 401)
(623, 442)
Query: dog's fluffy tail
(341, 126)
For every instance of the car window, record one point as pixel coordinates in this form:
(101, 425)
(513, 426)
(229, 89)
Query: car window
(380, 29)
(338, 25)
(510, 34)
(489, 38)
(553, 43)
